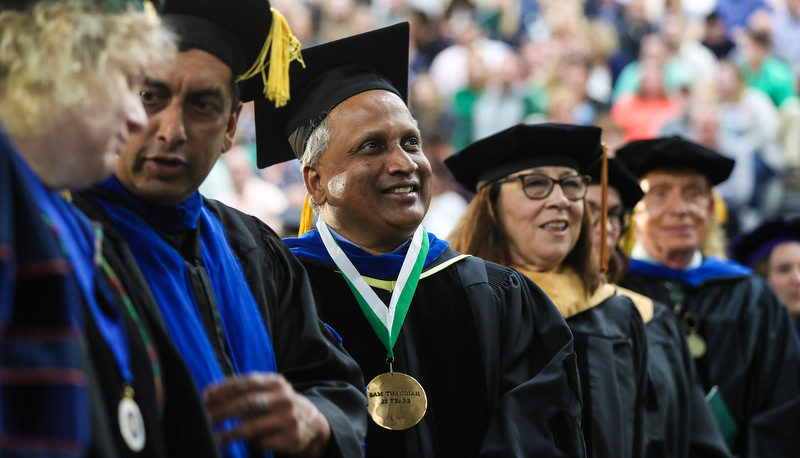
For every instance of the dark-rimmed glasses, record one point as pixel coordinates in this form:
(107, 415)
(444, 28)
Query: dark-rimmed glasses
(619, 218)
(538, 186)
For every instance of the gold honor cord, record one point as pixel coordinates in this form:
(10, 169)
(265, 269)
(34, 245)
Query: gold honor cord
(396, 401)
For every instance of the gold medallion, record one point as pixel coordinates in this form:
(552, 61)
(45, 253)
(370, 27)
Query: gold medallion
(396, 401)
(697, 345)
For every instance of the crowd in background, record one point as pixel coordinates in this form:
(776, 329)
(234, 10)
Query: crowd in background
(723, 73)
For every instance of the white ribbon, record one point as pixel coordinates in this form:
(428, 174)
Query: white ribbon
(349, 270)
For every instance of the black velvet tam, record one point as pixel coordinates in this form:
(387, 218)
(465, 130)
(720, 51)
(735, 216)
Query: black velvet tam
(233, 31)
(621, 179)
(751, 247)
(674, 153)
(525, 146)
(334, 72)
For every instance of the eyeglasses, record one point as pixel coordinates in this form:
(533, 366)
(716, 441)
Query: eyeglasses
(620, 219)
(537, 186)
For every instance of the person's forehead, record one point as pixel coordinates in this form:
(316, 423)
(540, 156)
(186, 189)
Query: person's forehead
(787, 250)
(549, 170)
(378, 99)
(192, 69)
(594, 195)
(684, 177)
(370, 109)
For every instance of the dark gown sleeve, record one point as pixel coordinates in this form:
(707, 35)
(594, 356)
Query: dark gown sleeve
(679, 422)
(531, 366)
(307, 352)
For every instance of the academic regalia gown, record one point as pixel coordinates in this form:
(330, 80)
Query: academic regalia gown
(46, 326)
(174, 419)
(306, 352)
(493, 355)
(42, 338)
(679, 423)
(751, 351)
(611, 345)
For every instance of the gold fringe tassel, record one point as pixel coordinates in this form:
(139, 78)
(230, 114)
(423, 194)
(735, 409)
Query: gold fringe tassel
(305, 218)
(283, 48)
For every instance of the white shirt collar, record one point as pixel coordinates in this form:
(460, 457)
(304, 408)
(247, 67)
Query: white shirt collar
(640, 254)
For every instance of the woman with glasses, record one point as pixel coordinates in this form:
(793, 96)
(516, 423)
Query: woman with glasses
(679, 423)
(530, 213)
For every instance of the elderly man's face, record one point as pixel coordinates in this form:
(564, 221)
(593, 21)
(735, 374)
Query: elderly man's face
(373, 180)
(673, 217)
(190, 123)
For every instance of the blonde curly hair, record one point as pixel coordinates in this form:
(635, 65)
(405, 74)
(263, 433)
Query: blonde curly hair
(54, 57)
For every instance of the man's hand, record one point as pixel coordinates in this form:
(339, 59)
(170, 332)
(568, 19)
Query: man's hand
(271, 414)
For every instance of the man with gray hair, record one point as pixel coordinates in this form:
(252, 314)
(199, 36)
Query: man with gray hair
(463, 357)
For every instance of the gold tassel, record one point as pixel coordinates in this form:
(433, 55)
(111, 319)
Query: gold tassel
(720, 209)
(283, 48)
(305, 218)
(604, 211)
(627, 241)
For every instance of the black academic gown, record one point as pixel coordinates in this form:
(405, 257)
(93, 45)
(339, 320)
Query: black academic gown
(306, 352)
(175, 427)
(752, 356)
(611, 345)
(612, 357)
(679, 422)
(492, 353)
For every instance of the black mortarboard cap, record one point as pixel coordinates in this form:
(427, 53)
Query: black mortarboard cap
(751, 247)
(334, 72)
(234, 31)
(525, 146)
(674, 153)
(621, 179)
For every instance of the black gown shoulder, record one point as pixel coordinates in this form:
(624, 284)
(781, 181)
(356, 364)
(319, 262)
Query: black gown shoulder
(752, 356)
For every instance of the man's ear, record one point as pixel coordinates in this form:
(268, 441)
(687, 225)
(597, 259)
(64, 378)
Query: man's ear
(230, 129)
(314, 187)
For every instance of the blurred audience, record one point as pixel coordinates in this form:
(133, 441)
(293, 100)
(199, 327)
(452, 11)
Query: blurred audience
(485, 65)
(642, 114)
(250, 193)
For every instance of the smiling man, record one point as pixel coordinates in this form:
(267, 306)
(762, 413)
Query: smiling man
(216, 283)
(738, 332)
(463, 357)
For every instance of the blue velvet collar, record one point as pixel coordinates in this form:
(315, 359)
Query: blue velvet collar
(712, 268)
(384, 267)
